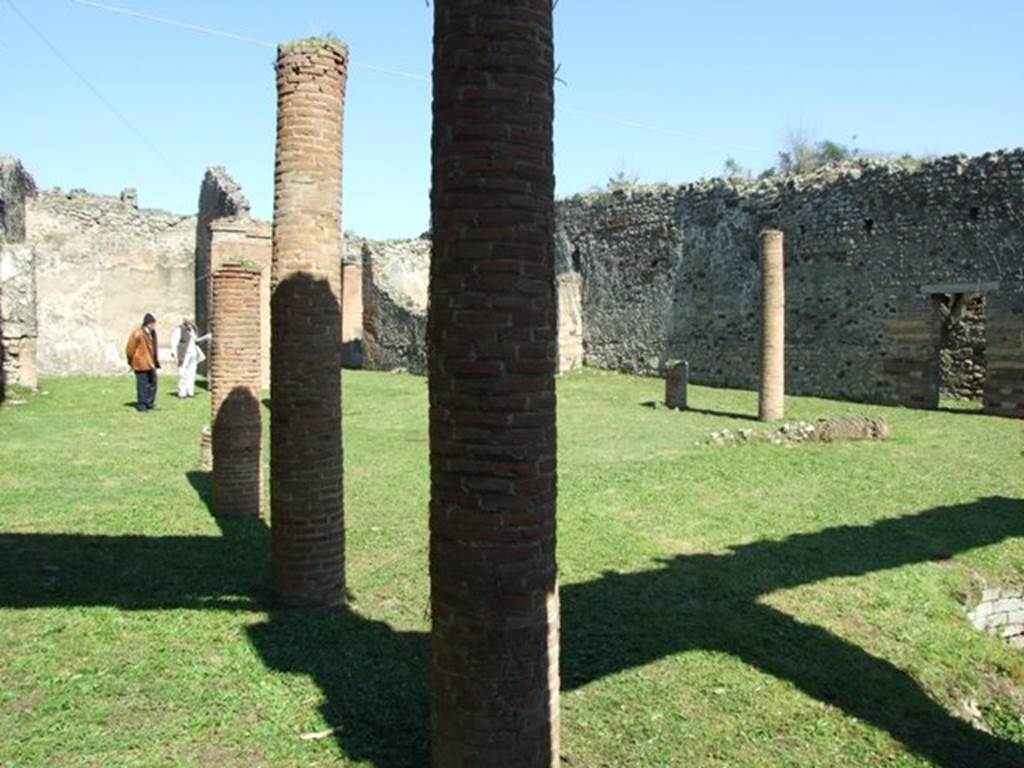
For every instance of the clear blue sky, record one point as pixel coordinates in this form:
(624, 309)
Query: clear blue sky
(721, 79)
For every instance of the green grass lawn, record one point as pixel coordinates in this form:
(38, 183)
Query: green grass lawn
(751, 605)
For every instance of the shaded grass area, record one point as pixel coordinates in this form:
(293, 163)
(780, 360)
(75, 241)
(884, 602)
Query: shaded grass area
(747, 605)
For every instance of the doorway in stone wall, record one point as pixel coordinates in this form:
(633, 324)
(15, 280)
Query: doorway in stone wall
(961, 343)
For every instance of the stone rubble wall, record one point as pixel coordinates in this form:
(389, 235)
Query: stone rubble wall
(95, 264)
(101, 264)
(962, 357)
(673, 273)
(624, 246)
(16, 186)
(644, 275)
(394, 302)
(18, 295)
(18, 328)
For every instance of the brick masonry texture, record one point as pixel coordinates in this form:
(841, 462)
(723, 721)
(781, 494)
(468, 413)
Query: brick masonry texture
(235, 383)
(220, 196)
(305, 367)
(771, 400)
(235, 238)
(493, 353)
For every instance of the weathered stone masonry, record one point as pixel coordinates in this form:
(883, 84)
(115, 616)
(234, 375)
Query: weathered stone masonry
(493, 352)
(235, 384)
(18, 295)
(101, 263)
(394, 304)
(306, 456)
(673, 272)
(622, 246)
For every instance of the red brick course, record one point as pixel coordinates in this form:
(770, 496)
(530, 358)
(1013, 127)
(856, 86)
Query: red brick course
(306, 460)
(235, 380)
(493, 356)
(1004, 386)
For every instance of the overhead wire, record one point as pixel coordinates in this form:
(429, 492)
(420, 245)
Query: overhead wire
(230, 35)
(95, 91)
(407, 75)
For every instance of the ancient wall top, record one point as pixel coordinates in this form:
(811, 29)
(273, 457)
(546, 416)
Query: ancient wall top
(15, 185)
(220, 195)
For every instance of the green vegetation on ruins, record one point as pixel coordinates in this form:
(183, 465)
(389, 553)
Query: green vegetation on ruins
(754, 605)
(800, 154)
(328, 40)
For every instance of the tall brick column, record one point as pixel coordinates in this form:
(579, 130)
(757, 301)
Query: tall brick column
(235, 381)
(771, 404)
(305, 349)
(493, 355)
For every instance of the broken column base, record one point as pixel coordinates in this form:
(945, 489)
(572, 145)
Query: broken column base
(677, 377)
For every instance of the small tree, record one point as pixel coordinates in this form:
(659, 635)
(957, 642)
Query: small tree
(801, 155)
(622, 180)
(733, 169)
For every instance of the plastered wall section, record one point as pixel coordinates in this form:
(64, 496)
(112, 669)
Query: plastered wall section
(101, 264)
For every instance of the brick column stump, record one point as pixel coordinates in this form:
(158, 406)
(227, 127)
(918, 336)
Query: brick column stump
(771, 404)
(307, 519)
(677, 377)
(493, 355)
(235, 381)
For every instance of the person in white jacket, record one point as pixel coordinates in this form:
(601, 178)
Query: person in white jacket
(185, 341)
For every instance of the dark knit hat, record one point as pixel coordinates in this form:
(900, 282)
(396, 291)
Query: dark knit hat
(148, 319)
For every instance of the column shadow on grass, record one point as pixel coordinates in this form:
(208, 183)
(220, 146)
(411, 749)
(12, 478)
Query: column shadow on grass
(710, 602)
(374, 678)
(655, 404)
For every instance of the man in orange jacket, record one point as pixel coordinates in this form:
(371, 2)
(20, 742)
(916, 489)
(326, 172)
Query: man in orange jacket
(144, 361)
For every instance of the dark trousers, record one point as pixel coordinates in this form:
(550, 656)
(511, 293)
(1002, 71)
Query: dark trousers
(145, 390)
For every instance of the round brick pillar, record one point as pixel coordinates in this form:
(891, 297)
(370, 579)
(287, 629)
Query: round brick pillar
(235, 381)
(493, 356)
(305, 349)
(771, 403)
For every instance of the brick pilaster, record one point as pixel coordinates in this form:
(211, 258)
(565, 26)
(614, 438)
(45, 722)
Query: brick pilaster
(235, 380)
(305, 366)
(1004, 384)
(493, 356)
